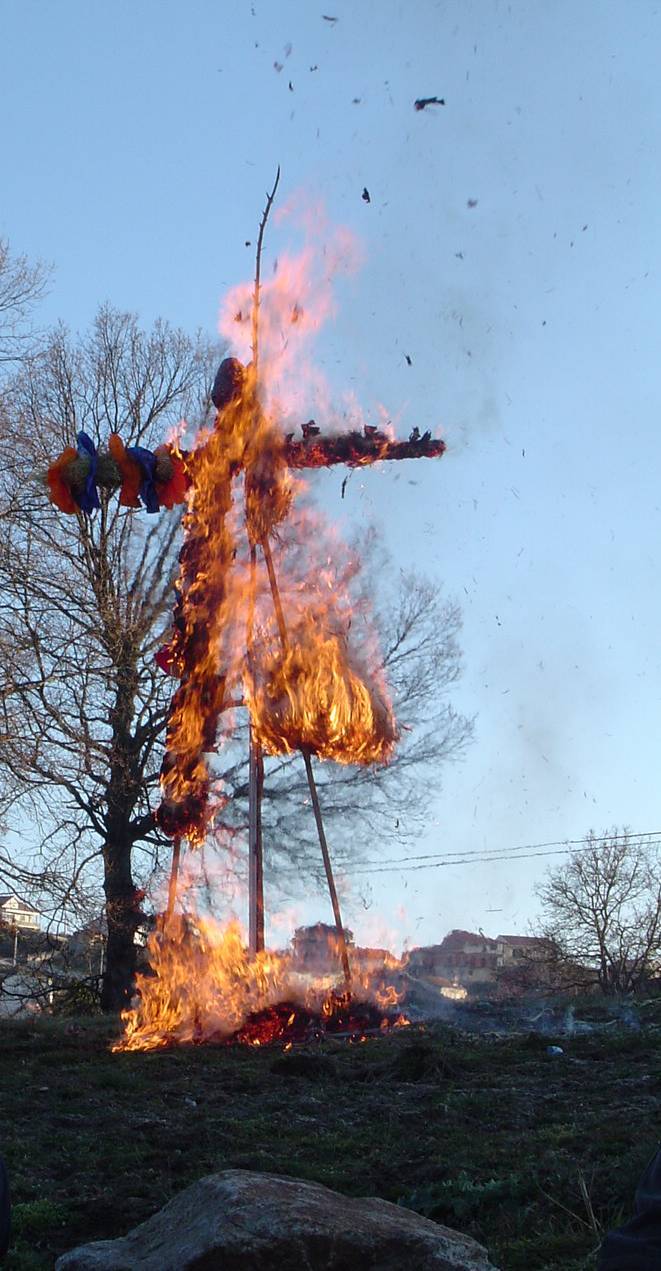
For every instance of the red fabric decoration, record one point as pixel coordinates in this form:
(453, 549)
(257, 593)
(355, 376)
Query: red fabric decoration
(59, 492)
(173, 490)
(165, 660)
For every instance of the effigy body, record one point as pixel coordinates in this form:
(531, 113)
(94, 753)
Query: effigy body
(242, 440)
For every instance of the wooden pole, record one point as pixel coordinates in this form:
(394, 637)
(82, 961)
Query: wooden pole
(256, 771)
(312, 785)
(255, 761)
(174, 874)
(255, 855)
(255, 788)
(344, 952)
(275, 592)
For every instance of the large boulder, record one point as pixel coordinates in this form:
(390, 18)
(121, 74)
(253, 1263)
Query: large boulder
(240, 1221)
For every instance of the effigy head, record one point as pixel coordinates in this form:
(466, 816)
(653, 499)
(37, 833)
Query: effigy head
(229, 382)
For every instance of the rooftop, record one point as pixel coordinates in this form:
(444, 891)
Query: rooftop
(11, 895)
(524, 941)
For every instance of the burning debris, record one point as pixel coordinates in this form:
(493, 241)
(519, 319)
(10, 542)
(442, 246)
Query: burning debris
(203, 986)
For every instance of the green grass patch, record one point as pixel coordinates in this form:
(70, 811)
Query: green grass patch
(492, 1136)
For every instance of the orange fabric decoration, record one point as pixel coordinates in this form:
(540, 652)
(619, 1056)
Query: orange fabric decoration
(173, 490)
(59, 492)
(130, 470)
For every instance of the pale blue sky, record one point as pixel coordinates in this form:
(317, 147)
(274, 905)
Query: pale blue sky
(138, 141)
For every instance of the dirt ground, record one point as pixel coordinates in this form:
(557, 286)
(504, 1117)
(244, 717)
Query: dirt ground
(533, 1154)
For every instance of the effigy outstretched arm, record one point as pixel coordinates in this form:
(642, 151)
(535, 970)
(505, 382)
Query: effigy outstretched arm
(161, 478)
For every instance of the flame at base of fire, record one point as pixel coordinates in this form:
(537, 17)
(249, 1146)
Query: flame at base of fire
(203, 987)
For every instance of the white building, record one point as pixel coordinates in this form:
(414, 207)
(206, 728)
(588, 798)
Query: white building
(18, 913)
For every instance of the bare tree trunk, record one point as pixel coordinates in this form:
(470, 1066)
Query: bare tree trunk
(123, 917)
(122, 900)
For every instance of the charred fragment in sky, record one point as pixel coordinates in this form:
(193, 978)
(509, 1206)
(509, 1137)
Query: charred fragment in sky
(421, 103)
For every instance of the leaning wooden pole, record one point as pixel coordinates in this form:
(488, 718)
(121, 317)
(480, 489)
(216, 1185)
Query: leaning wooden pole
(323, 843)
(312, 785)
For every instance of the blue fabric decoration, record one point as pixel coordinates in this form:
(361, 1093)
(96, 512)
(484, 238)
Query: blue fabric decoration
(87, 498)
(147, 461)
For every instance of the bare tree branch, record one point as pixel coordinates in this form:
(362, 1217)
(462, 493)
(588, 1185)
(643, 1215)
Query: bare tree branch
(602, 912)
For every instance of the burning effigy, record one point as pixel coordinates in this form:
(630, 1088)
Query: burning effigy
(248, 632)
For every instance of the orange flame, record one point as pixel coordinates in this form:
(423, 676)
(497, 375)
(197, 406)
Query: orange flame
(254, 628)
(202, 987)
(310, 697)
(305, 689)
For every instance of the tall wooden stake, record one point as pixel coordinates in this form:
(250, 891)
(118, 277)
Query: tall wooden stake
(255, 787)
(174, 874)
(256, 767)
(255, 761)
(255, 855)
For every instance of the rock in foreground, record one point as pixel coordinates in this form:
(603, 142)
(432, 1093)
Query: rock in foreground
(238, 1220)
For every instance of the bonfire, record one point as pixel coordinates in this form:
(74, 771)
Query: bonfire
(250, 631)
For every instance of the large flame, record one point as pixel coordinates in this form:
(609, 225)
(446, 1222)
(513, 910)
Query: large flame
(309, 690)
(256, 625)
(309, 696)
(203, 987)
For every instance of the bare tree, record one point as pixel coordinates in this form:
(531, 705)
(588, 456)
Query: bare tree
(84, 601)
(21, 285)
(602, 911)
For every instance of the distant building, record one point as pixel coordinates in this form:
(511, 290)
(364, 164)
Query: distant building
(316, 948)
(517, 950)
(463, 958)
(18, 913)
(372, 961)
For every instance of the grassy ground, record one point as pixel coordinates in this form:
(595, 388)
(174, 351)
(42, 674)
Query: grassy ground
(528, 1153)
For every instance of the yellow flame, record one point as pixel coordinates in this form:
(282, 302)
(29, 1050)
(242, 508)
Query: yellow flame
(202, 986)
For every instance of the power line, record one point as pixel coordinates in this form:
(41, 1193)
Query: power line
(473, 860)
(477, 856)
(523, 847)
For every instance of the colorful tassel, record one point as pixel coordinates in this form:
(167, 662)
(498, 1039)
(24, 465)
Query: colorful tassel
(59, 492)
(87, 498)
(173, 490)
(147, 461)
(130, 471)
